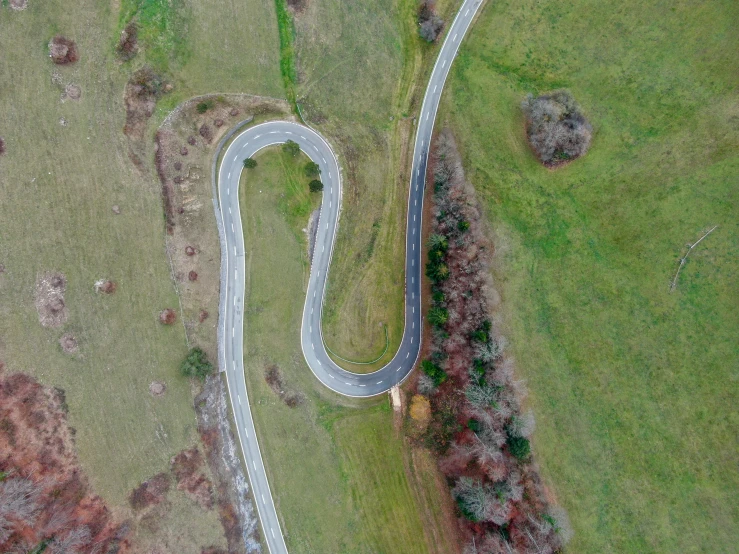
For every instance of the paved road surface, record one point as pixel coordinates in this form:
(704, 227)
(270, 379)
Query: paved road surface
(245, 145)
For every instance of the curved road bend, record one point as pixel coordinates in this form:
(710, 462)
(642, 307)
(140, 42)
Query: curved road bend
(246, 144)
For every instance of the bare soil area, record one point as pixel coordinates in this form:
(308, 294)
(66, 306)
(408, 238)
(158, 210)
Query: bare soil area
(49, 299)
(68, 342)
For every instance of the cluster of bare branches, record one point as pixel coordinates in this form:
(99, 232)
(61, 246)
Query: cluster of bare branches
(430, 24)
(557, 130)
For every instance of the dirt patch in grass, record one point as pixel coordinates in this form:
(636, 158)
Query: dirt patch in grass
(72, 91)
(157, 388)
(18, 5)
(49, 299)
(63, 51)
(150, 492)
(187, 466)
(68, 343)
(44, 495)
(276, 382)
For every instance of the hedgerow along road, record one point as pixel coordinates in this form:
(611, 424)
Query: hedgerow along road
(233, 271)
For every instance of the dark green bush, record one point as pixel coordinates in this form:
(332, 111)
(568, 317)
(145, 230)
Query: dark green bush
(250, 163)
(315, 185)
(204, 106)
(196, 364)
(519, 447)
(437, 374)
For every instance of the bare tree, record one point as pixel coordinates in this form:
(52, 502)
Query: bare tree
(522, 425)
(72, 542)
(474, 497)
(487, 351)
(481, 396)
(19, 501)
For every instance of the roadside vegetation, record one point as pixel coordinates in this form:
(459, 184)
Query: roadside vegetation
(630, 383)
(336, 467)
(475, 424)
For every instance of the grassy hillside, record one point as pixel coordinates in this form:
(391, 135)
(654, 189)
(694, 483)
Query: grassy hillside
(337, 472)
(361, 76)
(58, 183)
(634, 387)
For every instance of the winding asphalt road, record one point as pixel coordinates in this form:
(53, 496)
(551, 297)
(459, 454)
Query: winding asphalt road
(233, 270)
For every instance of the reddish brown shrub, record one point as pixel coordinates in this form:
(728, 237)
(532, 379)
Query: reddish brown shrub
(206, 132)
(2, 145)
(62, 50)
(192, 276)
(128, 42)
(192, 141)
(183, 151)
(167, 317)
(203, 315)
(218, 123)
(149, 492)
(190, 250)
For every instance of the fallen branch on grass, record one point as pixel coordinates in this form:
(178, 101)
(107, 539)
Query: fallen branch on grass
(684, 259)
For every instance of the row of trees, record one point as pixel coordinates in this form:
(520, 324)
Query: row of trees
(477, 429)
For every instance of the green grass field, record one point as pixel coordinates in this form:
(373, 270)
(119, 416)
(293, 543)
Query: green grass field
(58, 184)
(335, 466)
(634, 387)
(361, 75)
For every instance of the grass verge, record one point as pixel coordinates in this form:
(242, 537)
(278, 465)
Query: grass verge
(631, 384)
(286, 31)
(361, 77)
(336, 469)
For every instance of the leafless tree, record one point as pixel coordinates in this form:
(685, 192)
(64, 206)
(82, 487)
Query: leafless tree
(475, 497)
(71, 542)
(556, 128)
(481, 396)
(487, 351)
(425, 384)
(19, 502)
(522, 425)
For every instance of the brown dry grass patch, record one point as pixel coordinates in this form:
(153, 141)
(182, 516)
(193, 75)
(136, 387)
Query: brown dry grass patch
(49, 299)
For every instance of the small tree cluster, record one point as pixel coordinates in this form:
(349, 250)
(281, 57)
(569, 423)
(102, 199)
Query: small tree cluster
(196, 364)
(430, 24)
(250, 163)
(468, 380)
(556, 128)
